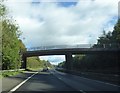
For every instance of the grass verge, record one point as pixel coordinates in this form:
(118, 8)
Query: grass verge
(34, 69)
(9, 73)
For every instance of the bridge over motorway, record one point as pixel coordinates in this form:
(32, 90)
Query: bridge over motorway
(69, 50)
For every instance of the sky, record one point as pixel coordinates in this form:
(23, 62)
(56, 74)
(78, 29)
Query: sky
(60, 22)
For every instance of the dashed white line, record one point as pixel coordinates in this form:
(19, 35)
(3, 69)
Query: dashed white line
(82, 91)
(96, 80)
(59, 78)
(101, 82)
(15, 88)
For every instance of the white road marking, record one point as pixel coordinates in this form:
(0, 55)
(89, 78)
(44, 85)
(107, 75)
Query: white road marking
(93, 80)
(59, 78)
(15, 88)
(82, 91)
(101, 82)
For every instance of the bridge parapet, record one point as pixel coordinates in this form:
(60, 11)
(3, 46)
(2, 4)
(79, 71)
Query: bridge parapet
(104, 46)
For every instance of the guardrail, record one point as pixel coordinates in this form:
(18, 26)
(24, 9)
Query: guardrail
(74, 46)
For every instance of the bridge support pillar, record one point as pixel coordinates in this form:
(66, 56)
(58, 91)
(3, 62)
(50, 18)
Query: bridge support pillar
(68, 63)
(24, 65)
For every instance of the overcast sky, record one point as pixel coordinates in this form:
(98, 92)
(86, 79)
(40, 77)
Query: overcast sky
(60, 23)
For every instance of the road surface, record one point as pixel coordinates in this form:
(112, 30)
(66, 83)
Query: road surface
(53, 80)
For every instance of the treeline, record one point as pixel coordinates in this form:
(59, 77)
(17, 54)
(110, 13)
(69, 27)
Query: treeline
(11, 45)
(104, 63)
(35, 62)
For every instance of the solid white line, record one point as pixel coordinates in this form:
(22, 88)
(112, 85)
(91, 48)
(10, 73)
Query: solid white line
(15, 88)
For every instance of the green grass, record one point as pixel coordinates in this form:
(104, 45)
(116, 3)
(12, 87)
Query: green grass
(34, 69)
(9, 73)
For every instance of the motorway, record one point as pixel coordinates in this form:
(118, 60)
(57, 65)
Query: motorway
(53, 80)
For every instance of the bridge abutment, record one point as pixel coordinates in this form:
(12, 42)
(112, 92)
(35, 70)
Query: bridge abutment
(24, 65)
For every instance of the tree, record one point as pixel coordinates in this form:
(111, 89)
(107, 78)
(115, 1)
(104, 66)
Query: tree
(35, 62)
(11, 45)
(101, 62)
(116, 33)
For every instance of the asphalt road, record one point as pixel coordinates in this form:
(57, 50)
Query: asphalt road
(56, 81)
(45, 81)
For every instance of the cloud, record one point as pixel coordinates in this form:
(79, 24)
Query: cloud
(54, 24)
(51, 24)
(54, 59)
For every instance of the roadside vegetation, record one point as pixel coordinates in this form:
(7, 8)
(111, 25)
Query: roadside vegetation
(11, 44)
(34, 63)
(10, 73)
(100, 63)
(12, 47)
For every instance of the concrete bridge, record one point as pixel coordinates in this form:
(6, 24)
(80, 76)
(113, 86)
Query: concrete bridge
(68, 52)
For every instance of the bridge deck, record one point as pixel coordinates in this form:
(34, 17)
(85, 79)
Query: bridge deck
(72, 51)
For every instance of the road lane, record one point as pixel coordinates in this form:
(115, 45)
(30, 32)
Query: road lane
(45, 81)
(85, 84)
(53, 80)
